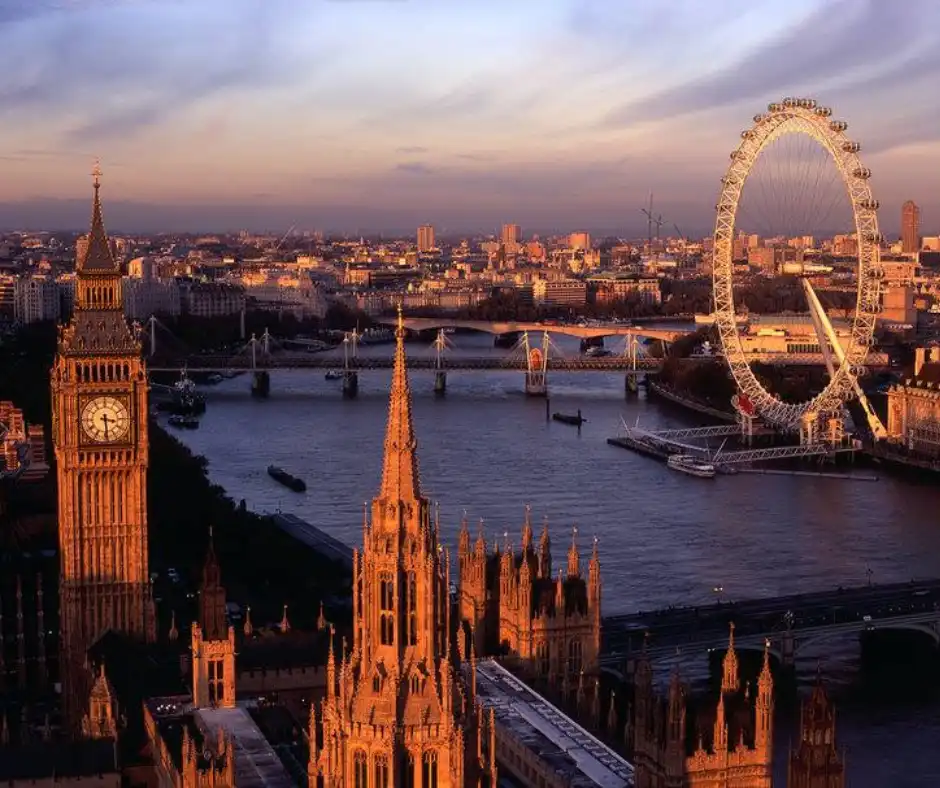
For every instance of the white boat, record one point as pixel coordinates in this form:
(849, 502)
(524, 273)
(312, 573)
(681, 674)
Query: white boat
(596, 351)
(334, 374)
(686, 463)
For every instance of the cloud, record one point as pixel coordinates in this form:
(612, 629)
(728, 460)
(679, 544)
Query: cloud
(843, 43)
(414, 168)
(411, 149)
(122, 67)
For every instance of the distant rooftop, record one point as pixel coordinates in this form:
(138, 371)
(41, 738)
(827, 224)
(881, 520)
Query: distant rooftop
(793, 319)
(557, 740)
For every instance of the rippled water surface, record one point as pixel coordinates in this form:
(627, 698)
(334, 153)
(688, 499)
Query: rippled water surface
(665, 539)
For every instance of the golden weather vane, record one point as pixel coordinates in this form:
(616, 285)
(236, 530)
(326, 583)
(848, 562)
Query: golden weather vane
(96, 172)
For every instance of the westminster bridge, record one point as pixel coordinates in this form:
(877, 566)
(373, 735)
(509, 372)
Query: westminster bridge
(789, 622)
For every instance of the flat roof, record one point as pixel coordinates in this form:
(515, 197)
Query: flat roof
(555, 738)
(256, 763)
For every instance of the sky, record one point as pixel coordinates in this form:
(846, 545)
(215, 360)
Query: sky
(377, 115)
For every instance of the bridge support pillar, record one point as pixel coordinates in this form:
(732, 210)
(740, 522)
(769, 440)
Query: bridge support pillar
(440, 383)
(535, 384)
(787, 655)
(631, 386)
(260, 384)
(536, 375)
(350, 384)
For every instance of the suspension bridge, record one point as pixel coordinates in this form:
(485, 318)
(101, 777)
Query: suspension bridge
(533, 354)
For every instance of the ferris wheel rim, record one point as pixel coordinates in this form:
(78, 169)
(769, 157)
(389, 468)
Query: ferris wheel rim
(798, 116)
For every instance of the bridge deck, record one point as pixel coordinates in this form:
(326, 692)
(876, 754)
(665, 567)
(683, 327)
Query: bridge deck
(307, 361)
(705, 627)
(243, 362)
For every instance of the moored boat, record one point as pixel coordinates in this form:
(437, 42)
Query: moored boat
(685, 463)
(334, 374)
(288, 480)
(184, 422)
(566, 418)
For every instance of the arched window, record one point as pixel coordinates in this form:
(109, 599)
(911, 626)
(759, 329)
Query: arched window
(381, 772)
(415, 684)
(542, 658)
(386, 610)
(429, 770)
(574, 656)
(411, 608)
(408, 770)
(361, 769)
(216, 681)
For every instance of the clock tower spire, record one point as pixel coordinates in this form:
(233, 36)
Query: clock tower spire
(99, 427)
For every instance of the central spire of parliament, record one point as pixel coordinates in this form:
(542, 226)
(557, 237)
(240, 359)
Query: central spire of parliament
(398, 711)
(400, 478)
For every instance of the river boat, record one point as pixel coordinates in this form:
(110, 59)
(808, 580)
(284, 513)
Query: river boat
(185, 399)
(334, 374)
(566, 418)
(184, 422)
(597, 351)
(287, 479)
(685, 463)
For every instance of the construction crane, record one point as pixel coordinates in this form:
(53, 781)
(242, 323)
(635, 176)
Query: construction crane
(650, 221)
(281, 242)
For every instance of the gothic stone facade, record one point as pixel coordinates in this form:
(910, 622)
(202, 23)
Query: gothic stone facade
(396, 711)
(730, 746)
(99, 424)
(511, 602)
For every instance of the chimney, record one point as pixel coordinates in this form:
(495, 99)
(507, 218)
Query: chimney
(920, 357)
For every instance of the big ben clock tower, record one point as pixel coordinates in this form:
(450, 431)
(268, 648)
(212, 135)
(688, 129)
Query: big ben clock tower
(99, 426)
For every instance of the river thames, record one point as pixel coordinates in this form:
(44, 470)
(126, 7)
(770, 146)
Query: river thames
(665, 538)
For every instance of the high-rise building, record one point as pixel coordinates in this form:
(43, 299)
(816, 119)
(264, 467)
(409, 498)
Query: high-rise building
(910, 227)
(730, 744)
(397, 711)
(511, 235)
(425, 238)
(816, 762)
(580, 240)
(99, 429)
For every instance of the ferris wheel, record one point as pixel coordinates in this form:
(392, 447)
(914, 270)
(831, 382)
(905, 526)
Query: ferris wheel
(800, 117)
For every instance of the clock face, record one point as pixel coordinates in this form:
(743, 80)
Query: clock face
(105, 419)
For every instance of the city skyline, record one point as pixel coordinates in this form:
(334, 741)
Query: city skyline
(380, 116)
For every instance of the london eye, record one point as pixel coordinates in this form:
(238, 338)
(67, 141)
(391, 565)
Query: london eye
(804, 119)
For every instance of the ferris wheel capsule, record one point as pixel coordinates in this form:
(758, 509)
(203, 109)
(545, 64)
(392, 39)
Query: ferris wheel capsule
(862, 173)
(823, 112)
(838, 126)
(759, 117)
(810, 103)
(869, 205)
(851, 147)
(772, 108)
(747, 134)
